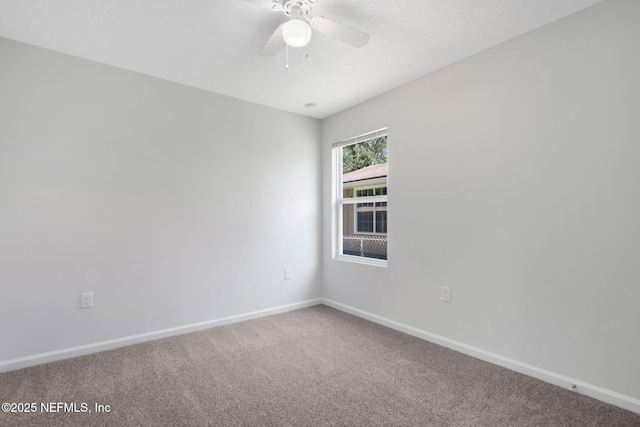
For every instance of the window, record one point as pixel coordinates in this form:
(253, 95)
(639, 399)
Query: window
(371, 217)
(360, 204)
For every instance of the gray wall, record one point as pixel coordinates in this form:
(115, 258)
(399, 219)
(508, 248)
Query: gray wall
(173, 205)
(514, 178)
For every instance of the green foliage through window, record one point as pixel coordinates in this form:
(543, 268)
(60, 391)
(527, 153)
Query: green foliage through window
(363, 154)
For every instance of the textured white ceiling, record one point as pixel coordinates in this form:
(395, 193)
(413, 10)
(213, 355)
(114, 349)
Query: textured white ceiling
(213, 44)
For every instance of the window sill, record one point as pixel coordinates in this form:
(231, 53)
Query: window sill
(362, 260)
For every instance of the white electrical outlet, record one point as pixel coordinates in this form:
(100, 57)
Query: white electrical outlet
(287, 274)
(445, 294)
(86, 300)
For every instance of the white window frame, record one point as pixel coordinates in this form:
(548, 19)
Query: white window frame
(339, 201)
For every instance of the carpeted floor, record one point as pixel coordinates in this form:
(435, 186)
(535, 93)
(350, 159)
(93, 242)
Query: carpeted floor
(311, 367)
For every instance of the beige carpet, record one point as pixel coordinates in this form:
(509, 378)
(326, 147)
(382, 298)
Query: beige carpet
(311, 367)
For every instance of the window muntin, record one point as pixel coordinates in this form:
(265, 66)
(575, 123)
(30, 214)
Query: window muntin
(360, 171)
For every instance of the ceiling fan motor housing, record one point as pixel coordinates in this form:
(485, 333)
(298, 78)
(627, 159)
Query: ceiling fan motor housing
(298, 8)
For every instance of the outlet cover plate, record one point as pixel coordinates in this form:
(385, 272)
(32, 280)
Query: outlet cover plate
(86, 300)
(445, 294)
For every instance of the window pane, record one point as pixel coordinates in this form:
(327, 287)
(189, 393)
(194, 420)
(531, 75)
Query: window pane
(364, 154)
(381, 221)
(365, 222)
(357, 244)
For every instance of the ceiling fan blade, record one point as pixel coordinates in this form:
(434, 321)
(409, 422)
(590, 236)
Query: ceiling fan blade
(338, 31)
(274, 44)
(267, 4)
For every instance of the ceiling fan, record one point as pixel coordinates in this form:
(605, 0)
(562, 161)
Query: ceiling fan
(296, 32)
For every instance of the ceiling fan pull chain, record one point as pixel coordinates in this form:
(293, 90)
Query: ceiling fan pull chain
(307, 30)
(287, 57)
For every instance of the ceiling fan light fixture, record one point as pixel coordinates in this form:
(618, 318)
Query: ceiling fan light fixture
(296, 32)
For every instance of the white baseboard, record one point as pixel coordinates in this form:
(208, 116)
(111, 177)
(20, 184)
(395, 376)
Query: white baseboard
(590, 390)
(52, 356)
